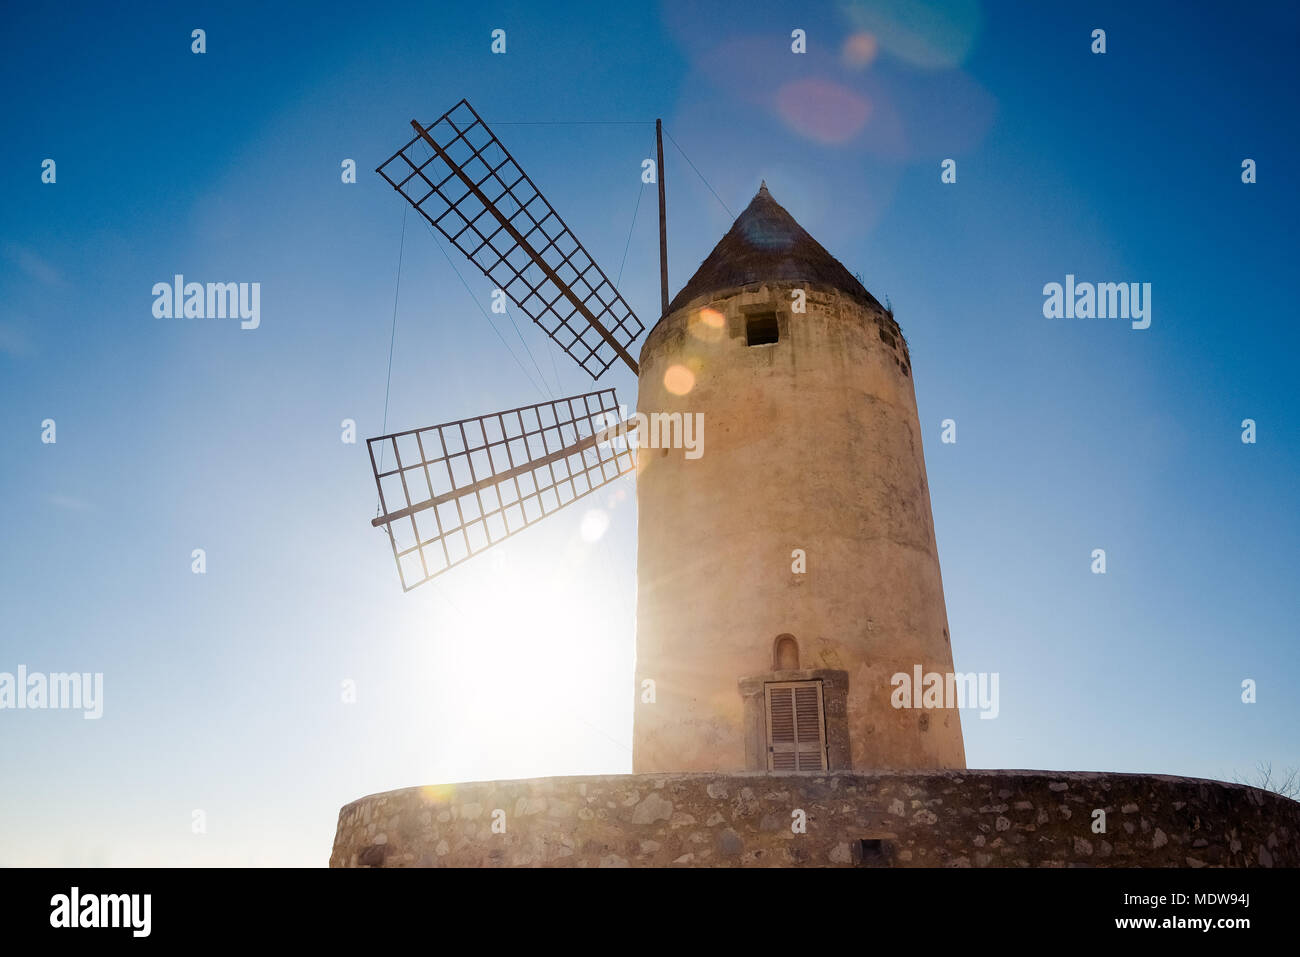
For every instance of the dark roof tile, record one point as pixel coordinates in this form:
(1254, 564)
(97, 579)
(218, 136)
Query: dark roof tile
(766, 244)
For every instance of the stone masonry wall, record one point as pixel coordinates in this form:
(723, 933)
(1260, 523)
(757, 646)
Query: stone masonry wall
(871, 818)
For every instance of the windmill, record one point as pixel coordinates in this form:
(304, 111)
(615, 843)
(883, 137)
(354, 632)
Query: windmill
(457, 488)
(786, 579)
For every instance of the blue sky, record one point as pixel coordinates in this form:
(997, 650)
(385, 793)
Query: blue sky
(222, 691)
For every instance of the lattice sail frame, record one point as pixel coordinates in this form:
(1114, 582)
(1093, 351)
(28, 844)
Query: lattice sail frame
(432, 185)
(458, 488)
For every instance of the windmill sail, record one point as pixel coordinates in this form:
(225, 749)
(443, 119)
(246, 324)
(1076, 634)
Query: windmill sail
(458, 488)
(460, 178)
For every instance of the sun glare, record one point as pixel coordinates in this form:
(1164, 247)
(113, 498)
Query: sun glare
(511, 673)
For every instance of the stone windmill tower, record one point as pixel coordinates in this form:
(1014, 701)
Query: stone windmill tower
(786, 574)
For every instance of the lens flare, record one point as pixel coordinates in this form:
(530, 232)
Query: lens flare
(437, 793)
(679, 380)
(822, 110)
(860, 50)
(707, 325)
(926, 35)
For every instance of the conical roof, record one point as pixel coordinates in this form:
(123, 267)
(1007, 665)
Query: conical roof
(764, 244)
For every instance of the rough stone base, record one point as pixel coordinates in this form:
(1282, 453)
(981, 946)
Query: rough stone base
(853, 818)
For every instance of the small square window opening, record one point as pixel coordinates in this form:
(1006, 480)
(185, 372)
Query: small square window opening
(761, 329)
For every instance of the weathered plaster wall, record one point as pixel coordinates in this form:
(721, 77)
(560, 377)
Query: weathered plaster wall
(920, 818)
(810, 443)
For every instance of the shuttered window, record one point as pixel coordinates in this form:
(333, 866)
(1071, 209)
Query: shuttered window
(796, 726)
